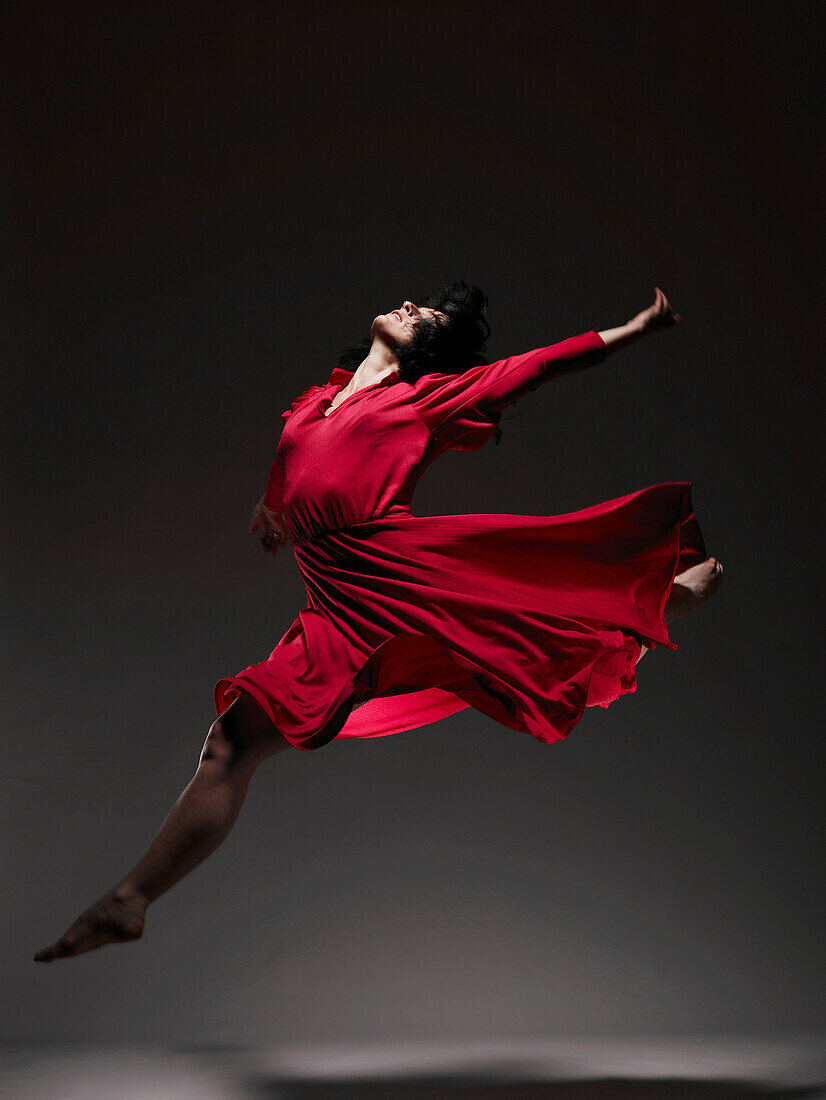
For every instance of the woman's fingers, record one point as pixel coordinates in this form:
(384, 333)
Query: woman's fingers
(271, 539)
(255, 518)
(664, 308)
(273, 528)
(657, 316)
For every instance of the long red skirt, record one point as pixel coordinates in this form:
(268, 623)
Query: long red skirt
(529, 619)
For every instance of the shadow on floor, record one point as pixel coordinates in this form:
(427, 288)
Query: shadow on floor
(476, 1087)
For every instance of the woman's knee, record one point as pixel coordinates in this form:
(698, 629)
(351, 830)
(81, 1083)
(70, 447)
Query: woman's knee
(243, 731)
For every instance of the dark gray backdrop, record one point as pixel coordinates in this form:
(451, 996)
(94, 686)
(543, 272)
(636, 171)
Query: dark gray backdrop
(202, 206)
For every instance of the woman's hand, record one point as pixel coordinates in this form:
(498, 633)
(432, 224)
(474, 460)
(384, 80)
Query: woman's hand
(272, 525)
(650, 320)
(655, 317)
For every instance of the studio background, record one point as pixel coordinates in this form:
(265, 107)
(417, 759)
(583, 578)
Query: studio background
(202, 205)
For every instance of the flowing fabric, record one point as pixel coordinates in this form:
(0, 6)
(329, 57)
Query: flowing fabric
(409, 619)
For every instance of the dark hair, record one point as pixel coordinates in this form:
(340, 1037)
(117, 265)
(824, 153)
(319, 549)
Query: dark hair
(448, 347)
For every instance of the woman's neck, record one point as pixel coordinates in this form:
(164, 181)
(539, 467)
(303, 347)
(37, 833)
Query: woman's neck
(379, 363)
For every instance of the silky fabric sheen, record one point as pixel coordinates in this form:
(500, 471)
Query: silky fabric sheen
(529, 619)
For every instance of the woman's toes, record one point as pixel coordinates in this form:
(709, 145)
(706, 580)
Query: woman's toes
(58, 950)
(715, 580)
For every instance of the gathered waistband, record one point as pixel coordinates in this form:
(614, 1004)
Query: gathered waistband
(299, 536)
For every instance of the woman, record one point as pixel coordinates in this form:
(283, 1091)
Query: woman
(529, 619)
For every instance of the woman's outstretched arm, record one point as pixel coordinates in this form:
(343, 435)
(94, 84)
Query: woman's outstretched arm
(657, 316)
(461, 410)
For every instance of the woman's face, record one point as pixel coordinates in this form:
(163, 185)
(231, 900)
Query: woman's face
(398, 324)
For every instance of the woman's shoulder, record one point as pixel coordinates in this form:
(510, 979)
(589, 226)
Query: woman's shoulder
(302, 399)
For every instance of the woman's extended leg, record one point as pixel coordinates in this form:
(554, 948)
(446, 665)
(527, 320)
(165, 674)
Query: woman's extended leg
(241, 739)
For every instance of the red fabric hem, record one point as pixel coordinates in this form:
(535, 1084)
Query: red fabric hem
(470, 680)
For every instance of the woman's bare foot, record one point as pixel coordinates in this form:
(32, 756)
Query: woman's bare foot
(115, 918)
(693, 587)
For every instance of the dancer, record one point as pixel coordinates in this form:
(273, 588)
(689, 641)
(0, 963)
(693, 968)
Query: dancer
(528, 619)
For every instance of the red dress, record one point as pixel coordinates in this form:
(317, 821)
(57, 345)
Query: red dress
(529, 619)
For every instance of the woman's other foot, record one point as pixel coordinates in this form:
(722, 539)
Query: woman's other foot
(693, 587)
(116, 918)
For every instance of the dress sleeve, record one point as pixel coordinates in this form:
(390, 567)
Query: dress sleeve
(275, 484)
(462, 409)
(273, 498)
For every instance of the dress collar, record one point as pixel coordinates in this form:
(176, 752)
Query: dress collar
(340, 377)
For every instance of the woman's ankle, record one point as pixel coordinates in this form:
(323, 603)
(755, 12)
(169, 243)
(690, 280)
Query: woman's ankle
(128, 893)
